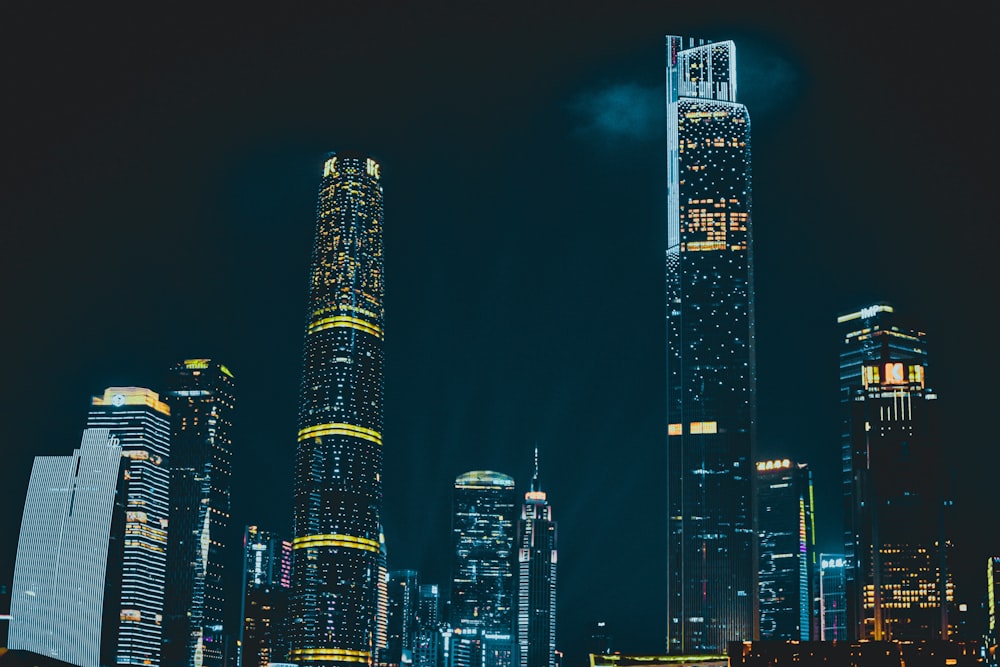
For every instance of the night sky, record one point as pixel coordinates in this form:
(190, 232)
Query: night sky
(158, 181)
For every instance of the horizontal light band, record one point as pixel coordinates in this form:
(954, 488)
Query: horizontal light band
(340, 429)
(335, 540)
(338, 654)
(345, 321)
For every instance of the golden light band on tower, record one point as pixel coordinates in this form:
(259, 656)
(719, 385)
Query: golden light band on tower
(335, 540)
(321, 430)
(345, 321)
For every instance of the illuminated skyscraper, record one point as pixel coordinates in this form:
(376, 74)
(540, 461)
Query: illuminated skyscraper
(141, 422)
(402, 621)
(992, 608)
(787, 550)
(896, 487)
(338, 460)
(200, 393)
(536, 580)
(832, 598)
(711, 386)
(62, 568)
(267, 569)
(427, 643)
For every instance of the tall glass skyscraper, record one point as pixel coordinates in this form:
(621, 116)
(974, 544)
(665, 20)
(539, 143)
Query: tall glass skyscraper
(338, 459)
(267, 572)
(200, 393)
(536, 581)
(896, 485)
(141, 422)
(787, 550)
(62, 567)
(711, 560)
(402, 617)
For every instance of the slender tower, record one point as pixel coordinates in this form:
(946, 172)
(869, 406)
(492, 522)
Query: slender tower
(200, 393)
(338, 460)
(536, 583)
(711, 558)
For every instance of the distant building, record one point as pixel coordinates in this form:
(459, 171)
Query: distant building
(992, 608)
(711, 564)
(787, 549)
(72, 508)
(267, 570)
(537, 557)
(141, 422)
(201, 396)
(601, 640)
(832, 598)
(427, 641)
(402, 626)
(482, 592)
(896, 484)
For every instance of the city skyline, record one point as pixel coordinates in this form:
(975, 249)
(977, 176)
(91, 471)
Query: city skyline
(241, 171)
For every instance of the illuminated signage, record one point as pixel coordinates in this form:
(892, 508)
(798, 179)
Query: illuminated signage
(865, 313)
(703, 427)
(832, 562)
(776, 464)
(893, 373)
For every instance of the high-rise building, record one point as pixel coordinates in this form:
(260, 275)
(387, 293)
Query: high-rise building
(536, 579)
(338, 459)
(896, 486)
(711, 386)
(402, 619)
(382, 600)
(200, 393)
(141, 422)
(992, 608)
(787, 550)
(427, 642)
(267, 571)
(62, 567)
(482, 590)
(832, 598)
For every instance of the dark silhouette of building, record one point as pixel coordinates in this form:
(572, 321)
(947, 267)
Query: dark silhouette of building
(201, 396)
(711, 387)
(787, 550)
(896, 484)
(537, 557)
(338, 460)
(267, 570)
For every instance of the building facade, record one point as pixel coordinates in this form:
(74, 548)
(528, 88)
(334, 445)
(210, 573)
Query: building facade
(787, 550)
(401, 630)
(537, 557)
(267, 576)
(896, 545)
(427, 641)
(338, 459)
(141, 422)
(711, 384)
(832, 598)
(201, 396)
(62, 566)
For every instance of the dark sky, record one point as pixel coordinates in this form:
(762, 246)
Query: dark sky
(158, 177)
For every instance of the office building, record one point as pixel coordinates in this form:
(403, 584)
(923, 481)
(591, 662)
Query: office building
(141, 422)
(832, 598)
(711, 387)
(267, 571)
(402, 617)
(896, 485)
(787, 550)
(427, 641)
(537, 557)
(62, 566)
(201, 396)
(338, 459)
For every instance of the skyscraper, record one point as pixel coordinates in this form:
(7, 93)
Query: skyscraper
(992, 637)
(338, 459)
(832, 598)
(200, 393)
(141, 422)
(896, 486)
(482, 591)
(267, 570)
(536, 579)
(427, 643)
(711, 386)
(402, 620)
(62, 567)
(787, 549)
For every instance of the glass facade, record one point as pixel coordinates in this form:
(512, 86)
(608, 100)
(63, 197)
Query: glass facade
(402, 617)
(62, 566)
(267, 570)
(141, 422)
(201, 396)
(537, 558)
(896, 511)
(338, 459)
(832, 598)
(711, 388)
(787, 550)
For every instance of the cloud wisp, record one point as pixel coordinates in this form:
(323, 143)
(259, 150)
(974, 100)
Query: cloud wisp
(620, 112)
